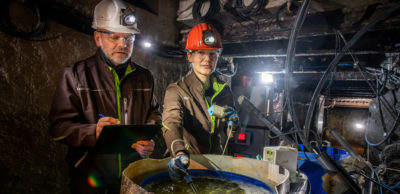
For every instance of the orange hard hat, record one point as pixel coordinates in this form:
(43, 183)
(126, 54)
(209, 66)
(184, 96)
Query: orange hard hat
(203, 36)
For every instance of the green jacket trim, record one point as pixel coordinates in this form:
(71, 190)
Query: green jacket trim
(59, 138)
(128, 71)
(218, 89)
(165, 126)
(117, 85)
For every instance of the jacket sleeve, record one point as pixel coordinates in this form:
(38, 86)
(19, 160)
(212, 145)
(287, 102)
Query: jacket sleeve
(173, 120)
(154, 115)
(67, 122)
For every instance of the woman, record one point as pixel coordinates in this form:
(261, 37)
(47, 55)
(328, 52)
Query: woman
(188, 128)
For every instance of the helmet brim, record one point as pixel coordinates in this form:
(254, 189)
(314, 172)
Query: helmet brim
(123, 30)
(120, 30)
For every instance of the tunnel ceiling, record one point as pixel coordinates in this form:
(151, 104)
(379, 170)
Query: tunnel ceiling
(266, 34)
(257, 42)
(255, 32)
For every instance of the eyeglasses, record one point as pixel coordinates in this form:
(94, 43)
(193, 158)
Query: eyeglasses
(203, 54)
(114, 38)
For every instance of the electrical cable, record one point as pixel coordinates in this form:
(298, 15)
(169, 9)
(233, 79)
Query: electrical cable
(355, 59)
(11, 28)
(334, 62)
(230, 7)
(288, 68)
(244, 12)
(397, 170)
(385, 102)
(255, 7)
(276, 136)
(395, 186)
(213, 9)
(378, 182)
(381, 118)
(295, 134)
(228, 75)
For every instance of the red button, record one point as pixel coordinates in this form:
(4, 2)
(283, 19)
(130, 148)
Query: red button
(242, 137)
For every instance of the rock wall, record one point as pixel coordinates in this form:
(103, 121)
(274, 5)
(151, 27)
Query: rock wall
(30, 161)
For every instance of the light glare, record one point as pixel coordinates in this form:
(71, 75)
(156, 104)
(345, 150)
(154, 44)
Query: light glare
(267, 78)
(359, 126)
(147, 44)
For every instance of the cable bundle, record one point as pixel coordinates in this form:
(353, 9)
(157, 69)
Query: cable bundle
(196, 11)
(237, 7)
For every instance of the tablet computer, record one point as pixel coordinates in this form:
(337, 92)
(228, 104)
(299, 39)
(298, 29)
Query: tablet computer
(115, 139)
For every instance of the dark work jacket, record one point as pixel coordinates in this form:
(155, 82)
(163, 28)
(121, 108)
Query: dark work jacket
(185, 116)
(88, 89)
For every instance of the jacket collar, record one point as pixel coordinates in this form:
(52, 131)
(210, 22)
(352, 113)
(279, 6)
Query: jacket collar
(104, 65)
(194, 82)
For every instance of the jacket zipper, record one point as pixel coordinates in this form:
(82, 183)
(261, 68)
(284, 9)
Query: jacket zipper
(126, 110)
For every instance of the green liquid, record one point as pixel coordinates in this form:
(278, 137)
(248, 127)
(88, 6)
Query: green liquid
(203, 185)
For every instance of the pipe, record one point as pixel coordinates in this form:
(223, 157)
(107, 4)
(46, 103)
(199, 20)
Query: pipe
(324, 53)
(344, 144)
(246, 104)
(353, 154)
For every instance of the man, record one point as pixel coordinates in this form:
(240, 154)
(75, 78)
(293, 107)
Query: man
(188, 128)
(105, 89)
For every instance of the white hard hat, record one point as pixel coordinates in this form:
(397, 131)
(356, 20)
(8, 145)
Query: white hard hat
(115, 16)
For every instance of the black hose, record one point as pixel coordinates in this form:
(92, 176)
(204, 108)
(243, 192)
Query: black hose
(196, 10)
(255, 7)
(385, 102)
(355, 59)
(239, 9)
(354, 39)
(375, 181)
(11, 28)
(288, 67)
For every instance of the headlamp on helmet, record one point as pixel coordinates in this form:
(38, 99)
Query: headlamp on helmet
(209, 38)
(203, 36)
(128, 17)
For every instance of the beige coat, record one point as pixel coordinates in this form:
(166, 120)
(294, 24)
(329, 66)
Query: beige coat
(185, 116)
